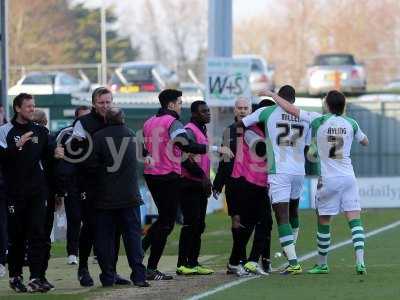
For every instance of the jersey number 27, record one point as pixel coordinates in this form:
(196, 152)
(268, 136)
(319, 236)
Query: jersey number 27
(283, 138)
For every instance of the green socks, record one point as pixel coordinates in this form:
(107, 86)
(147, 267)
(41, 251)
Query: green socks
(323, 242)
(358, 237)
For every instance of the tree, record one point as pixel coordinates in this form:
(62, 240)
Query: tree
(291, 32)
(87, 36)
(173, 32)
(46, 32)
(39, 31)
(186, 23)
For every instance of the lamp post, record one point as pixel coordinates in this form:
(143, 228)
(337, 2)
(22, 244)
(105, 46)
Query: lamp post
(103, 45)
(219, 43)
(4, 54)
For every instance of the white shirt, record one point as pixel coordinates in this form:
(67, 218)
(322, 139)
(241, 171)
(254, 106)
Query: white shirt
(286, 138)
(332, 140)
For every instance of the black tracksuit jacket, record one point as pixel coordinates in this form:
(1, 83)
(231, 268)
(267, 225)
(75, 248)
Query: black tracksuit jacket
(117, 184)
(91, 123)
(23, 169)
(225, 166)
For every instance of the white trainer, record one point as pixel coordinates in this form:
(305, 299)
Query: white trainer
(72, 260)
(238, 270)
(255, 268)
(260, 271)
(2, 270)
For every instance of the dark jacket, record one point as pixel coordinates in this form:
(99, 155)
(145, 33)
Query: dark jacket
(49, 166)
(91, 123)
(23, 169)
(117, 184)
(2, 185)
(65, 171)
(225, 166)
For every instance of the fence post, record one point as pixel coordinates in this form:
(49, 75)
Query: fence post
(99, 73)
(380, 135)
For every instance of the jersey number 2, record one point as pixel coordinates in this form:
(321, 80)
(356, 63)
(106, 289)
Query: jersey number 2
(336, 150)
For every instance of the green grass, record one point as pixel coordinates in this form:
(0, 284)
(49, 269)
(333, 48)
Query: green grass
(381, 282)
(217, 238)
(45, 297)
(381, 252)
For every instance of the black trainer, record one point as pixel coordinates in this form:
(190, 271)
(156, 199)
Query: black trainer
(157, 275)
(17, 284)
(119, 280)
(84, 278)
(35, 285)
(47, 284)
(141, 284)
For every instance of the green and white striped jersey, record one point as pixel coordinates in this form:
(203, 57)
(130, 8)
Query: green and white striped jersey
(286, 137)
(332, 137)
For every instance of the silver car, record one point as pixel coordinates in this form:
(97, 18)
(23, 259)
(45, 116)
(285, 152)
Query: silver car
(262, 75)
(336, 71)
(141, 76)
(393, 85)
(44, 83)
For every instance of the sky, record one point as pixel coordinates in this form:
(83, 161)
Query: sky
(243, 9)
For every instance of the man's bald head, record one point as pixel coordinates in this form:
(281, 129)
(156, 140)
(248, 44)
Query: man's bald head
(115, 116)
(242, 108)
(39, 116)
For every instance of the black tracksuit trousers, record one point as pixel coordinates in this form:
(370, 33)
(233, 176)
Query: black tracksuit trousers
(193, 203)
(72, 203)
(108, 222)
(3, 228)
(26, 222)
(165, 192)
(254, 209)
(88, 232)
(48, 227)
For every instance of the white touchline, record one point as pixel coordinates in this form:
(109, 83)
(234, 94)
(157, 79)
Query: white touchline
(302, 258)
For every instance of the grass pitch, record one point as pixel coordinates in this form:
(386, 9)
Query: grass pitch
(380, 283)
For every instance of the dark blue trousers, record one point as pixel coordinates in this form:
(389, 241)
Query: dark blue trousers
(3, 229)
(73, 212)
(107, 223)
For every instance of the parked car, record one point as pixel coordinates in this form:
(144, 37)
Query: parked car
(262, 75)
(44, 83)
(134, 77)
(393, 85)
(336, 71)
(191, 88)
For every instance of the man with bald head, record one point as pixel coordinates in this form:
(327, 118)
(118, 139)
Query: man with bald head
(117, 200)
(39, 116)
(231, 135)
(246, 185)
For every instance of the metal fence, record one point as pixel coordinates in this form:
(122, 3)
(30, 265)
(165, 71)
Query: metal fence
(380, 120)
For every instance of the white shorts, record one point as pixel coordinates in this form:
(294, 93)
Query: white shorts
(337, 194)
(284, 187)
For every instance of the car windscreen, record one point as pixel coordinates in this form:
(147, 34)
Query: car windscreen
(137, 74)
(334, 60)
(257, 65)
(39, 79)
